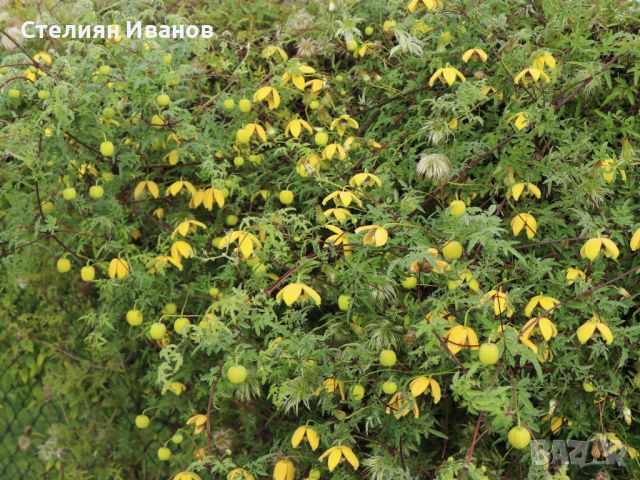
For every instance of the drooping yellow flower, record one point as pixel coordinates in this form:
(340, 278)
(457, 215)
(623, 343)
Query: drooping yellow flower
(572, 274)
(336, 454)
(181, 249)
(316, 85)
(520, 120)
(187, 476)
(547, 304)
(187, 226)
(543, 60)
(256, 129)
(587, 329)
(609, 169)
(332, 385)
(592, 247)
(162, 260)
(177, 387)
(295, 126)
(43, 57)
(268, 94)
(542, 325)
(466, 278)
(423, 385)
(246, 242)
(295, 292)
(338, 213)
(529, 75)
(159, 213)
(118, 268)
(176, 187)
(501, 303)
(342, 123)
(374, 235)
(207, 198)
(151, 187)
(342, 198)
(474, 54)
(270, 50)
(239, 474)
(199, 423)
(517, 189)
(460, 337)
(439, 314)
(388, 26)
(524, 221)
(312, 437)
(339, 239)
(296, 75)
(635, 241)
(401, 404)
(334, 149)
(365, 179)
(428, 4)
(446, 75)
(308, 166)
(284, 470)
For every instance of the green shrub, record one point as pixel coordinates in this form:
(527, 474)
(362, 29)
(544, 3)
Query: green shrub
(328, 207)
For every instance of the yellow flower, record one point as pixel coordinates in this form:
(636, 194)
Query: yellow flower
(246, 242)
(402, 404)
(161, 260)
(339, 239)
(159, 213)
(118, 268)
(429, 4)
(256, 129)
(366, 179)
(422, 384)
(476, 54)
(316, 85)
(460, 337)
(332, 149)
(542, 325)
(517, 190)
(336, 453)
(573, 274)
(176, 187)
(529, 75)
(388, 26)
(187, 226)
(338, 213)
(270, 50)
(523, 220)
(206, 198)
(295, 126)
(43, 57)
(635, 241)
(180, 250)
(331, 385)
(176, 387)
(342, 123)
(297, 292)
(199, 423)
(284, 470)
(520, 120)
(342, 198)
(187, 476)
(587, 329)
(268, 94)
(439, 314)
(374, 235)
(296, 75)
(591, 248)
(446, 75)
(501, 302)
(547, 304)
(466, 278)
(543, 59)
(308, 166)
(312, 437)
(152, 187)
(239, 474)
(609, 169)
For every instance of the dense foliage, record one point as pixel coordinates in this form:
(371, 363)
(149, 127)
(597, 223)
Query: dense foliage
(314, 220)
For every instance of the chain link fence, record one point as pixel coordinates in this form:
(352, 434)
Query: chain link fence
(25, 420)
